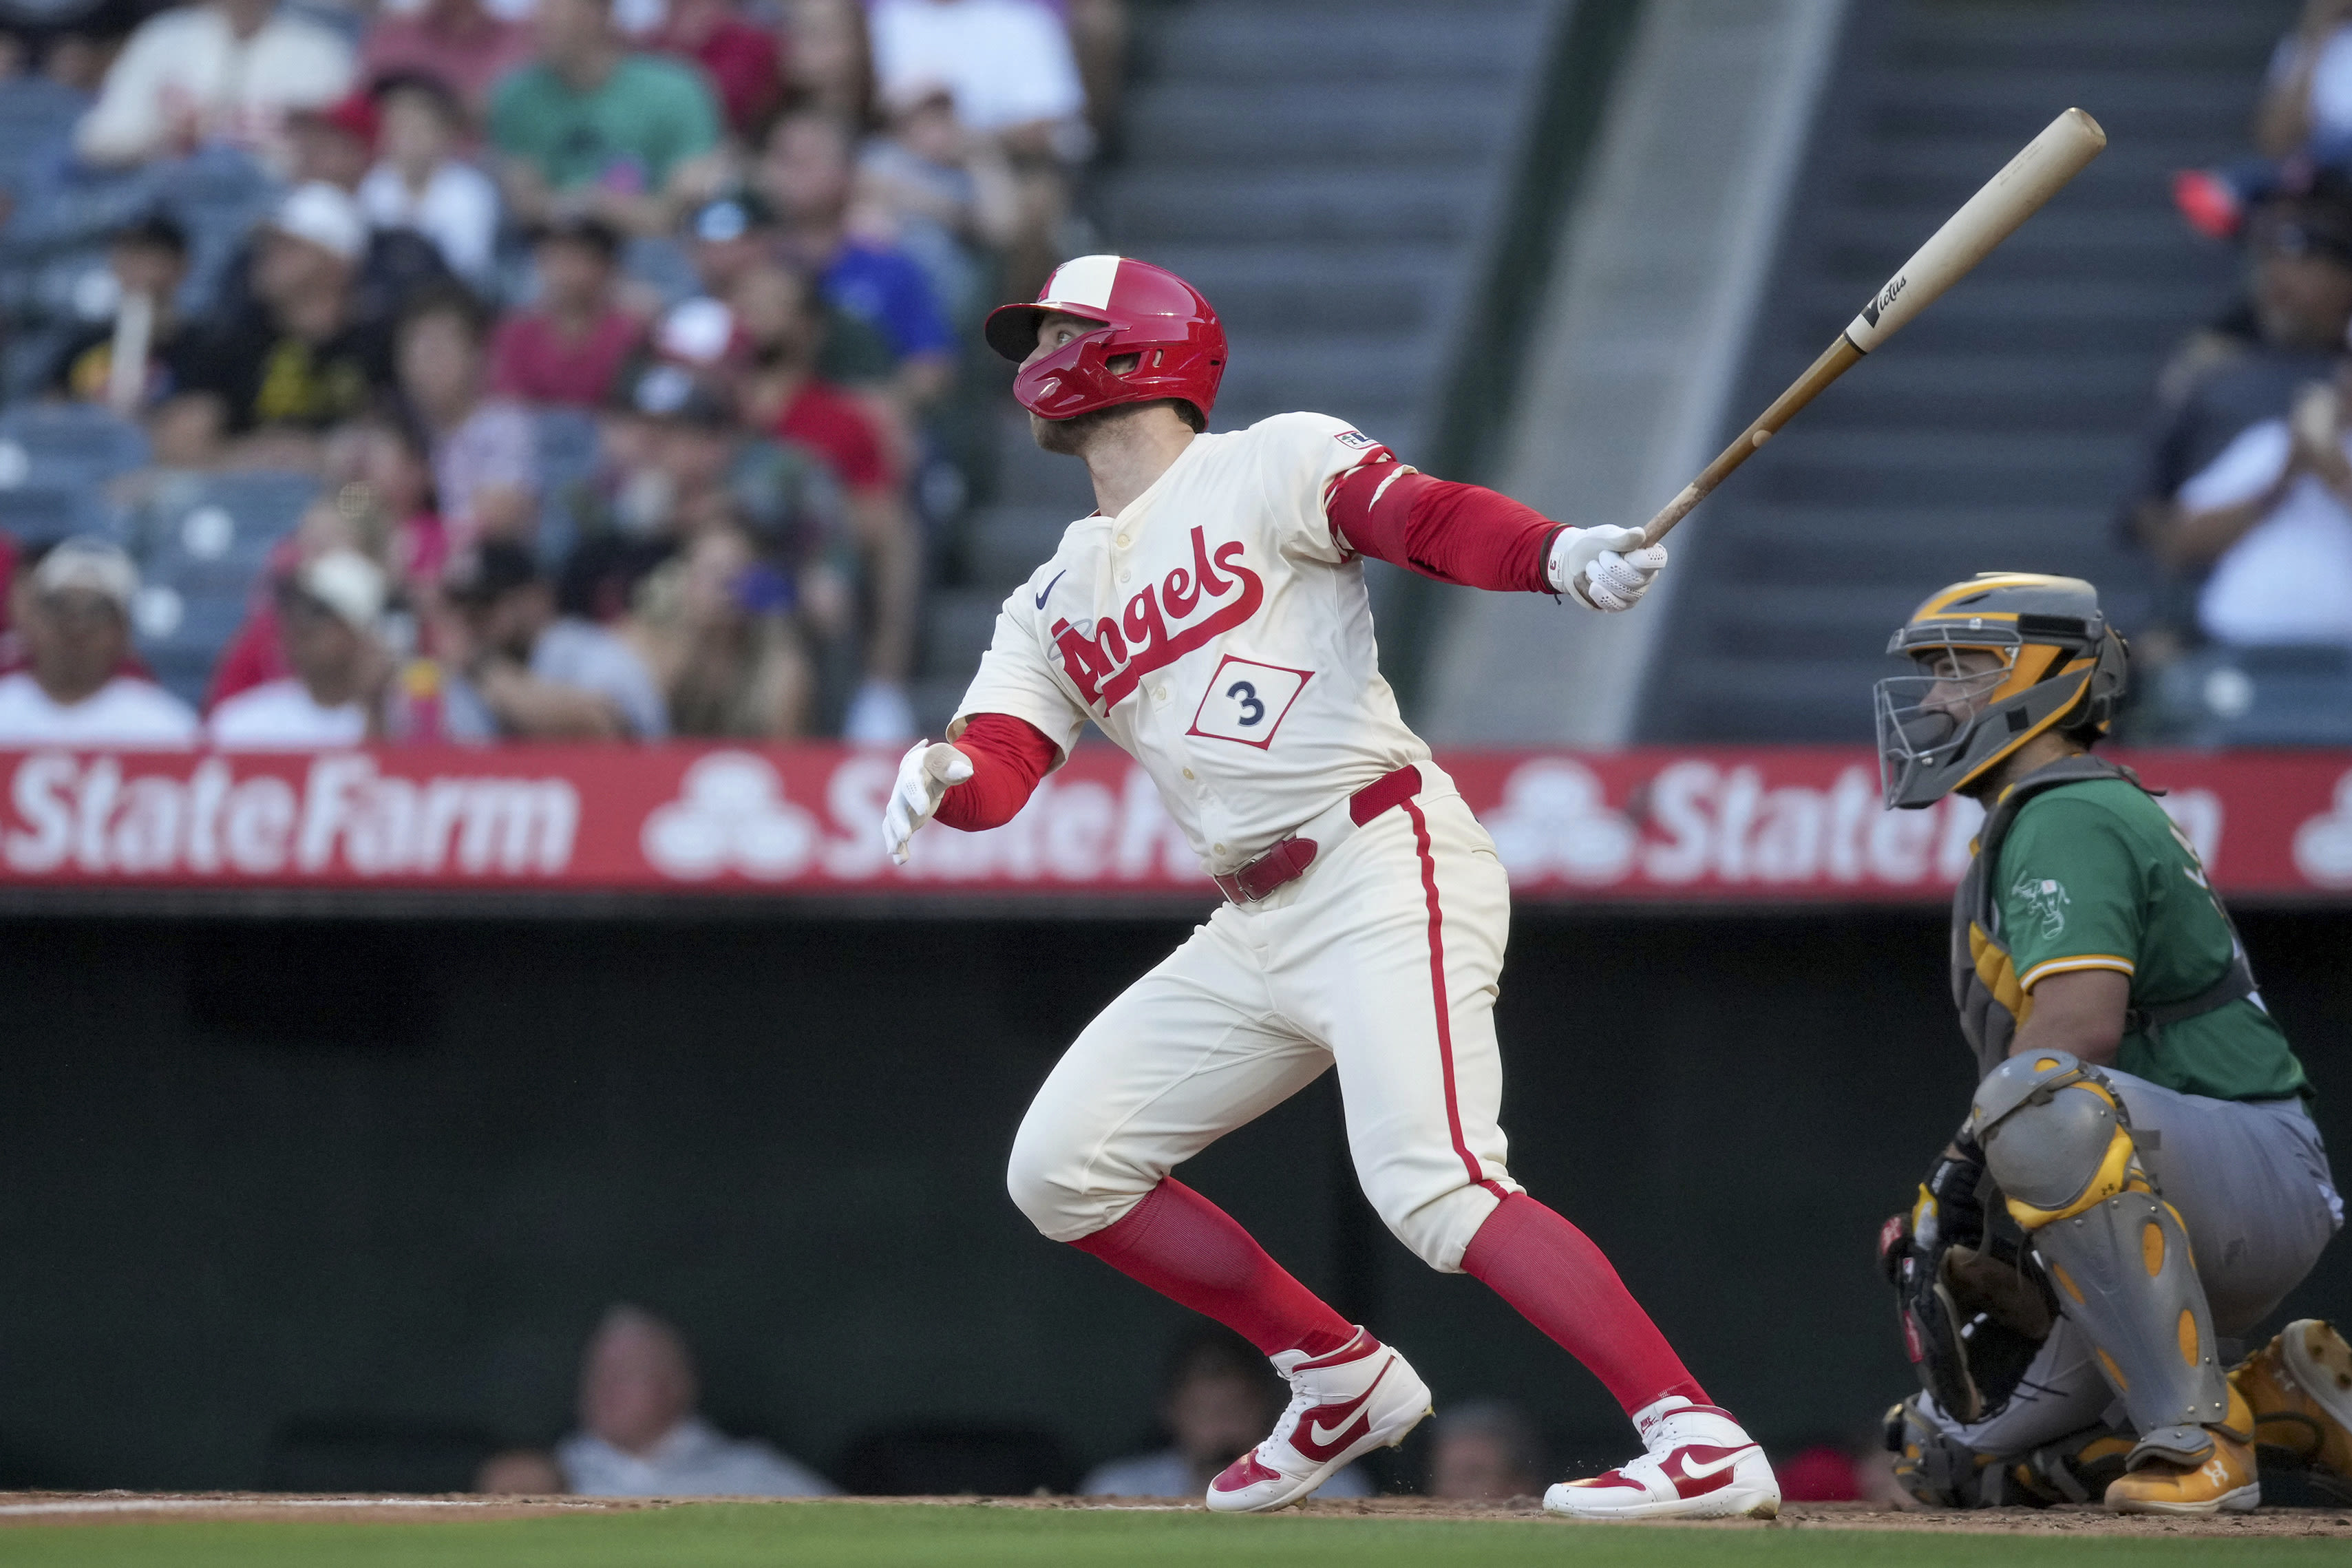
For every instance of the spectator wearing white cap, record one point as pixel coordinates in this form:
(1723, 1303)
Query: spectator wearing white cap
(224, 72)
(327, 617)
(297, 359)
(76, 634)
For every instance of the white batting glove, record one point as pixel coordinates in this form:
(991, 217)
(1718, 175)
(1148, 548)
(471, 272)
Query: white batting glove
(1604, 568)
(925, 773)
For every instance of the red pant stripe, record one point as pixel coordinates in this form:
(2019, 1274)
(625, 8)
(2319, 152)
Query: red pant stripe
(1437, 989)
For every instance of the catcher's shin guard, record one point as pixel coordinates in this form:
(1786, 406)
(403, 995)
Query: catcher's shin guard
(2059, 1143)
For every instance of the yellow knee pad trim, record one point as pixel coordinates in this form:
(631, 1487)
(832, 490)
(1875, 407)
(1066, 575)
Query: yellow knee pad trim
(2118, 1171)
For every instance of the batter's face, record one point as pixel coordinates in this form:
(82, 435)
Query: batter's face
(1056, 331)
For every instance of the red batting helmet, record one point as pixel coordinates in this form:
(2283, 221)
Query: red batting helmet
(1145, 310)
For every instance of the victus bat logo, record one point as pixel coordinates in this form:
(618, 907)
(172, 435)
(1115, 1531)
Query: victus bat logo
(1886, 298)
(1109, 665)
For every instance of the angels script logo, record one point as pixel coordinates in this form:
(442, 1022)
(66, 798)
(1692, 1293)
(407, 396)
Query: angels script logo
(1107, 666)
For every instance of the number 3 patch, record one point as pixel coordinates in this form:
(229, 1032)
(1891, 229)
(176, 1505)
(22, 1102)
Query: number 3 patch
(1246, 700)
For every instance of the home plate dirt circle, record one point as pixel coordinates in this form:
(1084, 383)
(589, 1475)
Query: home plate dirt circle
(20, 1508)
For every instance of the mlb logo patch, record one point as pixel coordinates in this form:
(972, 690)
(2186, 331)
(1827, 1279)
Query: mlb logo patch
(1357, 439)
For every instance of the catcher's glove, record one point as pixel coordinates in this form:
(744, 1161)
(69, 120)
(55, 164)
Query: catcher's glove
(1975, 1308)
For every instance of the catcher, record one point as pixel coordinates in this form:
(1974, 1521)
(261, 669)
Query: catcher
(2136, 1176)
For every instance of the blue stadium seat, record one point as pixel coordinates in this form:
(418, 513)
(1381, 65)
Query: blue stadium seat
(2288, 695)
(180, 635)
(69, 444)
(208, 542)
(37, 117)
(41, 514)
(218, 529)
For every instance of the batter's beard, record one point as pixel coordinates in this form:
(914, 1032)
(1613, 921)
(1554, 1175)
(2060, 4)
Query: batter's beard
(1069, 436)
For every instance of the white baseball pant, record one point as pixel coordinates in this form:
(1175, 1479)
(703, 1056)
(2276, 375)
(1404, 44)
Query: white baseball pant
(1341, 966)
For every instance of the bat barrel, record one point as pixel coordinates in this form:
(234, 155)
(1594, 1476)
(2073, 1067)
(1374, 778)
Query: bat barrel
(2038, 173)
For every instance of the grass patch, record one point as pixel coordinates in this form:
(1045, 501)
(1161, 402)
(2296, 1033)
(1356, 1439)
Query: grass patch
(884, 1536)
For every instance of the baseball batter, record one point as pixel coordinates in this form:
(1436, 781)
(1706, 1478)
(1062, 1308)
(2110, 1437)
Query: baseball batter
(1212, 618)
(2140, 1116)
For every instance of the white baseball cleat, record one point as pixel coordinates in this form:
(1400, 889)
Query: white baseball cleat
(1361, 1396)
(1699, 1465)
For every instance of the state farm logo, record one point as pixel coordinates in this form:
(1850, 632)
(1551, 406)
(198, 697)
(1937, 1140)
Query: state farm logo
(1698, 822)
(2323, 845)
(730, 816)
(222, 818)
(1555, 821)
(1111, 658)
(1702, 824)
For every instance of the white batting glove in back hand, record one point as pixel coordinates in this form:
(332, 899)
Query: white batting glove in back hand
(1604, 568)
(925, 773)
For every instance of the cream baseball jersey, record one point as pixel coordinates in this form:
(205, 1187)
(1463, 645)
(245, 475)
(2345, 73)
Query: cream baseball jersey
(1219, 634)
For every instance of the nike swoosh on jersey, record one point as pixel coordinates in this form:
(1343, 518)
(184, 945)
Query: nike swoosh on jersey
(1049, 587)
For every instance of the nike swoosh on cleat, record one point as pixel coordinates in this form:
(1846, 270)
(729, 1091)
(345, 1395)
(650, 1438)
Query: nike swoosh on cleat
(1325, 1429)
(1049, 587)
(1712, 1471)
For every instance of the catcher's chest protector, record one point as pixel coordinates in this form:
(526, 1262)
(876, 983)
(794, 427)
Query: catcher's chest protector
(1984, 981)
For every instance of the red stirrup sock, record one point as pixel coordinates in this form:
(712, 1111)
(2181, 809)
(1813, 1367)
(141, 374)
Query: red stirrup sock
(1192, 1251)
(1561, 1282)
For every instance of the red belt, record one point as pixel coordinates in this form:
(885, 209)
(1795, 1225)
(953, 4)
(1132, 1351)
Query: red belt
(1288, 859)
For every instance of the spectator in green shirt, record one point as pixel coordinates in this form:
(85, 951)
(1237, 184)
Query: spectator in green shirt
(592, 126)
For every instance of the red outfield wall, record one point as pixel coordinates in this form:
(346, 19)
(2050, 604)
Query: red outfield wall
(1655, 826)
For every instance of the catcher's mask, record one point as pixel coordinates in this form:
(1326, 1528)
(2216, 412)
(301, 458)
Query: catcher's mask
(2003, 658)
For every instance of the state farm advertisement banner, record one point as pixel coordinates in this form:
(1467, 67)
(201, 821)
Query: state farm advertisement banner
(1700, 826)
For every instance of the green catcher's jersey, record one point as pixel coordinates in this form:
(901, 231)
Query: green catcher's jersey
(2095, 876)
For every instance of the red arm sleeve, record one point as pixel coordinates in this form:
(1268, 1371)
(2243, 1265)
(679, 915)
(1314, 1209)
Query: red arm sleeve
(1454, 533)
(1008, 756)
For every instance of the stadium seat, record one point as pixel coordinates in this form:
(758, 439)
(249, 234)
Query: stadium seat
(957, 1461)
(69, 444)
(37, 116)
(206, 545)
(41, 514)
(2288, 695)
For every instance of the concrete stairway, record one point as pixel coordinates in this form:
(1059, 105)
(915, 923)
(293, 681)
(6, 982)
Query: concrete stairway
(1327, 173)
(1999, 430)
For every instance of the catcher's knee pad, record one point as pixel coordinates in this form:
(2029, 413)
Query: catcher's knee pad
(2058, 1143)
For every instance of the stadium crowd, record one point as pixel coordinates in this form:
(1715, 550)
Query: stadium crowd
(422, 370)
(460, 370)
(2244, 499)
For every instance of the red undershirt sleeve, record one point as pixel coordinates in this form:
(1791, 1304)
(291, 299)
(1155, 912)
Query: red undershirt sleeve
(1451, 532)
(1008, 756)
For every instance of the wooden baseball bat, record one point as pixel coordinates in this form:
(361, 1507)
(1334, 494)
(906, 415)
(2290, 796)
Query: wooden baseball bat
(1968, 236)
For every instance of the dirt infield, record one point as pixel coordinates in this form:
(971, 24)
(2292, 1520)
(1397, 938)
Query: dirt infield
(20, 1508)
